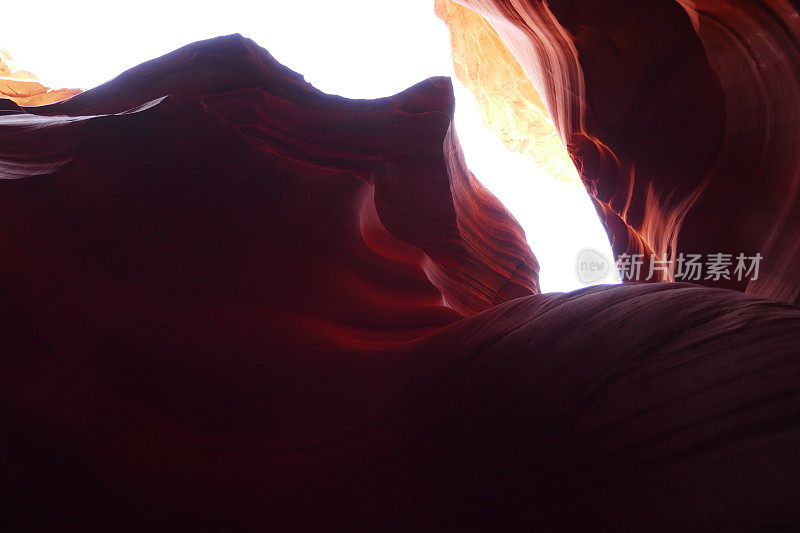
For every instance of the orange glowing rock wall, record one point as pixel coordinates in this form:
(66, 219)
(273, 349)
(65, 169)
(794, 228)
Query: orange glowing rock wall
(509, 104)
(681, 117)
(24, 88)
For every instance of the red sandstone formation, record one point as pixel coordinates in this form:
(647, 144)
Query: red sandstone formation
(682, 117)
(231, 302)
(411, 204)
(24, 88)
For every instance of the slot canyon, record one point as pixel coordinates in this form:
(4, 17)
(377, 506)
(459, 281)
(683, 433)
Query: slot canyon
(233, 302)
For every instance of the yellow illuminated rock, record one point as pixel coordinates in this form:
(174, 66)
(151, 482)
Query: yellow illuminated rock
(24, 88)
(509, 104)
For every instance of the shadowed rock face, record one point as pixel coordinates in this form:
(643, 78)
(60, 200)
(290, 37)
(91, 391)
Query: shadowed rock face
(218, 111)
(230, 301)
(682, 117)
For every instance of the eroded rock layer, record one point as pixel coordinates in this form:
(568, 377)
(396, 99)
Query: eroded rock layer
(232, 302)
(682, 118)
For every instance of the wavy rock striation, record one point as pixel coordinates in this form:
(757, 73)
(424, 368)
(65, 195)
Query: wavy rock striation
(681, 116)
(230, 301)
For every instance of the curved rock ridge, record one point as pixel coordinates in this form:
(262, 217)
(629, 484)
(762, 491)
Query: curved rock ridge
(410, 186)
(25, 88)
(231, 302)
(682, 118)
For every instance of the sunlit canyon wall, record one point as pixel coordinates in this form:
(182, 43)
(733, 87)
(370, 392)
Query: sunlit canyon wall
(681, 117)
